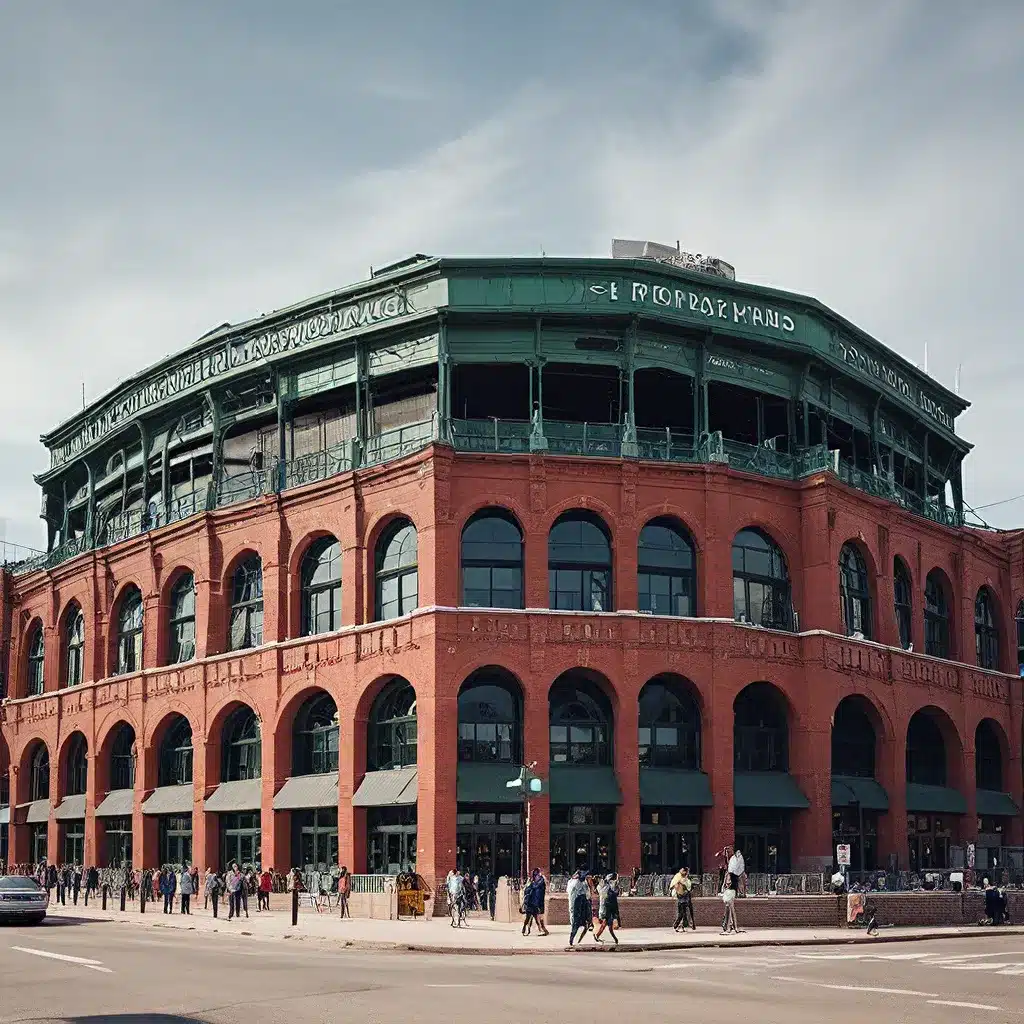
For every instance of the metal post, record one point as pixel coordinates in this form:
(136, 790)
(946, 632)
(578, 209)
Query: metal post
(860, 826)
(527, 838)
(124, 895)
(142, 895)
(295, 905)
(104, 895)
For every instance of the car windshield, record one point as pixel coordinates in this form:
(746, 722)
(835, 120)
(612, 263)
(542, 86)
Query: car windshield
(9, 882)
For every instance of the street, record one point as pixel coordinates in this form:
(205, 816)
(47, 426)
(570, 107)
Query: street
(104, 971)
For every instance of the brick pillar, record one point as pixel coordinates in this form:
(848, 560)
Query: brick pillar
(54, 853)
(811, 766)
(205, 776)
(351, 820)
(277, 589)
(624, 566)
(437, 764)
(145, 837)
(714, 565)
(962, 777)
(718, 822)
(887, 630)
(352, 585)
(627, 771)
(891, 772)
(535, 572)
(275, 826)
(92, 850)
(1014, 780)
(536, 747)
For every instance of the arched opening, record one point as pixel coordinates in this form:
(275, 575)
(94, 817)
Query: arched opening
(673, 790)
(903, 600)
(397, 571)
(391, 742)
(666, 569)
(36, 674)
(584, 790)
(315, 738)
(241, 747)
(245, 629)
(580, 563)
(171, 802)
(115, 811)
(995, 807)
(129, 632)
(761, 592)
(321, 587)
(77, 774)
(986, 630)
(181, 645)
(854, 592)
(492, 560)
(70, 812)
(123, 758)
(39, 795)
(74, 646)
(489, 814)
(937, 618)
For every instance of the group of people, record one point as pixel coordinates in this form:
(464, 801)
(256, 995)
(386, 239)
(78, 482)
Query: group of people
(582, 892)
(733, 884)
(68, 880)
(237, 885)
(472, 891)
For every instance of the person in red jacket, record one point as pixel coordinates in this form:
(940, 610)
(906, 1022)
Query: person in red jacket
(263, 894)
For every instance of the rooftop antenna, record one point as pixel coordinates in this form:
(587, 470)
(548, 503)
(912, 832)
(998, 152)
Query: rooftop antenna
(83, 394)
(956, 381)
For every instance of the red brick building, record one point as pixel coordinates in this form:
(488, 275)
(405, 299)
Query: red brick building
(318, 586)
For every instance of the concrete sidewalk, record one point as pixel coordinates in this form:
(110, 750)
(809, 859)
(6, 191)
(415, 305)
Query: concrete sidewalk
(484, 937)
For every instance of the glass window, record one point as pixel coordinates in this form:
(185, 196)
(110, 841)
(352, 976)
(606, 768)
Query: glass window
(36, 662)
(760, 582)
(926, 751)
(988, 757)
(315, 741)
(492, 561)
(118, 835)
(904, 602)
(392, 728)
(936, 616)
(74, 842)
(490, 720)
(665, 570)
(176, 754)
(182, 645)
(582, 836)
(854, 592)
(397, 572)
(241, 748)
(176, 840)
(321, 588)
(241, 839)
(579, 564)
(853, 740)
(39, 784)
(986, 633)
(129, 632)
(246, 628)
(122, 758)
(74, 646)
(580, 722)
(669, 727)
(77, 766)
(760, 731)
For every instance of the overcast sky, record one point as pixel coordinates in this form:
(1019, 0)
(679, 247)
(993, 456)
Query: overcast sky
(170, 166)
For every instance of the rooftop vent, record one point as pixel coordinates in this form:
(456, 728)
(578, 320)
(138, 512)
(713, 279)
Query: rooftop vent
(635, 249)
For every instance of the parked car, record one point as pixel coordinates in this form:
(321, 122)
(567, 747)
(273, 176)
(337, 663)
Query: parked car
(22, 900)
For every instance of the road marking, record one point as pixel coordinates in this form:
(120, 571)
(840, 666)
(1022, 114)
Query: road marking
(450, 986)
(92, 965)
(860, 988)
(963, 1006)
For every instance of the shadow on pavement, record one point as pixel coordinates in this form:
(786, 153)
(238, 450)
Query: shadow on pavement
(52, 922)
(128, 1018)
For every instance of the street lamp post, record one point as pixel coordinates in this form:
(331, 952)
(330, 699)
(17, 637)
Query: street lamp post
(530, 786)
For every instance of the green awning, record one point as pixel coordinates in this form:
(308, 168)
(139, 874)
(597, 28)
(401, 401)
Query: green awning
(485, 784)
(935, 799)
(667, 787)
(777, 790)
(584, 784)
(850, 790)
(992, 803)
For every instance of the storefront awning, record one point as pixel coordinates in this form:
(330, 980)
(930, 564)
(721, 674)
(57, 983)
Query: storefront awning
(776, 790)
(395, 787)
(118, 803)
(485, 784)
(307, 792)
(169, 800)
(36, 812)
(584, 784)
(71, 808)
(992, 803)
(935, 799)
(851, 790)
(242, 795)
(666, 787)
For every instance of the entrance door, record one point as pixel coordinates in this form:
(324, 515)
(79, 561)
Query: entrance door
(763, 838)
(118, 835)
(74, 842)
(489, 839)
(37, 842)
(315, 839)
(240, 839)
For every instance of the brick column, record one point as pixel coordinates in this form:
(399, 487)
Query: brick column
(963, 778)
(535, 569)
(625, 572)
(145, 838)
(275, 826)
(437, 755)
(891, 772)
(1014, 781)
(811, 767)
(718, 822)
(205, 776)
(627, 771)
(537, 747)
(351, 769)
(92, 845)
(714, 564)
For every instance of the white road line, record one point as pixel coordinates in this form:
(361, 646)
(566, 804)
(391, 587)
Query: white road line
(450, 986)
(963, 1006)
(92, 965)
(860, 988)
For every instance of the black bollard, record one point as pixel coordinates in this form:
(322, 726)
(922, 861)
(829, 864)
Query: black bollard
(142, 899)
(104, 895)
(124, 893)
(87, 895)
(295, 906)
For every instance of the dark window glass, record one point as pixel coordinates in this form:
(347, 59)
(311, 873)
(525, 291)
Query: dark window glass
(669, 727)
(397, 582)
(854, 592)
(36, 662)
(246, 627)
(176, 840)
(936, 617)
(665, 570)
(315, 741)
(904, 602)
(241, 747)
(39, 784)
(490, 721)
(492, 561)
(240, 836)
(853, 741)
(760, 732)
(321, 588)
(760, 582)
(176, 754)
(74, 646)
(182, 645)
(78, 766)
(986, 633)
(579, 564)
(122, 759)
(580, 723)
(926, 752)
(988, 757)
(129, 633)
(392, 728)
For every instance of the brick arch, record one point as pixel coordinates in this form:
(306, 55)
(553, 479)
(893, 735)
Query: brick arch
(182, 567)
(1001, 739)
(63, 756)
(952, 740)
(24, 769)
(35, 622)
(156, 732)
(780, 692)
(1002, 620)
(108, 729)
(583, 503)
(113, 630)
(213, 748)
(863, 549)
(105, 746)
(377, 526)
(683, 684)
(298, 553)
(596, 678)
(373, 689)
(499, 503)
(240, 554)
(293, 596)
(666, 510)
(284, 722)
(787, 545)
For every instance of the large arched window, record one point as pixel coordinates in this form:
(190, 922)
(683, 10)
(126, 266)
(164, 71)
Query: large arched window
(667, 583)
(492, 561)
(397, 573)
(936, 616)
(246, 628)
(669, 734)
(122, 758)
(240, 746)
(1020, 637)
(490, 718)
(321, 587)
(760, 582)
(39, 782)
(760, 730)
(315, 739)
(854, 592)
(579, 722)
(77, 766)
(853, 740)
(579, 564)
(74, 646)
(988, 757)
(926, 751)
(129, 632)
(182, 640)
(392, 728)
(36, 661)
(903, 594)
(176, 754)
(986, 632)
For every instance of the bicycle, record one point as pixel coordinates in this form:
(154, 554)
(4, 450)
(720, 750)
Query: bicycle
(457, 910)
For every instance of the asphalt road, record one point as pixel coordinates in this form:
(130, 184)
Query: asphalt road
(109, 972)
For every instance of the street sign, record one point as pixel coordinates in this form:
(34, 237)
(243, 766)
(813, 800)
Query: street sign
(843, 855)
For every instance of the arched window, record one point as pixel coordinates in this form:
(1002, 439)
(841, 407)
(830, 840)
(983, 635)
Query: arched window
(397, 573)
(36, 662)
(854, 592)
(760, 730)
(240, 746)
(579, 564)
(321, 587)
(986, 633)
(315, 739)
(129, 632)
(904, 602)
(74, 646)
(988, 757)
(853, 740)
(665, 570)
(669, 727)
(182, 645)
(246, 629)
(492, 561)
(176, 754)
(1020, 637)
(936, 616)
(39, 783)
(392, 728)
(490, 719)
(926, 751)
(760, 582)
(78, 766)
(122, 758)
(579, 722)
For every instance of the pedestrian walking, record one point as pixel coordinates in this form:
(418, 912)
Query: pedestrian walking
(738, 872)
(681, 887)
(266, 884)
(211, 890)
(186, 889)
(528, 907)
(344, 891)
(168, 887)
(206, 888)
(491, 890)
(608, 907)
(92, 883)
(234, 884)
(76, 882)
(578, 894)
(729, 890)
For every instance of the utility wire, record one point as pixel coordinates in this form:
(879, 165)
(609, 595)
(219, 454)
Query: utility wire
(1005, 501)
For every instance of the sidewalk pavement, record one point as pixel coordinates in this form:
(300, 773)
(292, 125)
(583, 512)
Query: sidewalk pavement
(481, 936)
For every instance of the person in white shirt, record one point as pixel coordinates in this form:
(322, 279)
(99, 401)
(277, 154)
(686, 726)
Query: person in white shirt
(737, 870)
